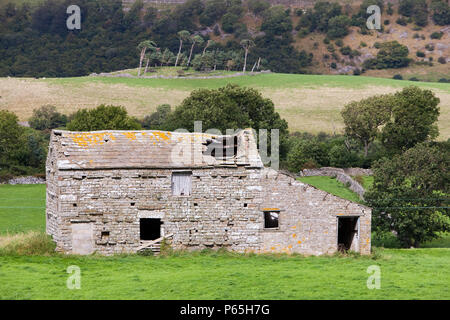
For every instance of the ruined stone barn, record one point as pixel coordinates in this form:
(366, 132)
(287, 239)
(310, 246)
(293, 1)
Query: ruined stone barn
(124, 191)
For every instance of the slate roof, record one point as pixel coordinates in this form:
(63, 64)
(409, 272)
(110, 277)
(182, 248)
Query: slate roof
(116, 149)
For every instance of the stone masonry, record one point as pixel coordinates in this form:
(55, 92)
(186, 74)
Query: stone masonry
(101, 185)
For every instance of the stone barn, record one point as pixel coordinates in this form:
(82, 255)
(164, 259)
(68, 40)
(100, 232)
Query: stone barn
(124, 191)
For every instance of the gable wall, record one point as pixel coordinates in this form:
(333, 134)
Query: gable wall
(308, 217)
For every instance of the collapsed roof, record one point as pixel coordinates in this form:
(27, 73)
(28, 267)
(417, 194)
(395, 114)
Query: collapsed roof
(116, 149)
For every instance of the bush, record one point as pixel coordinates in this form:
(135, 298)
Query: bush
(441, 12)
(444, 80)
(338, 27)
(103, 118)
(157, 119)
(345, 50)
(414, 79)
(385, 239)
(429, 47)
(436, 35)
(391, 55)
(401, 21)
(31, 243)
(442, 60)
(420, 54)
(46, 117)
(307, 154)
(341, 157)
(333, 65)
(357, 72)
(339, 42)
(397, 77)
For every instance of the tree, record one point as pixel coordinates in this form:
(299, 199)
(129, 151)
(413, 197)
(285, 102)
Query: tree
(413, 120)
(246, 44)
(307, 154)
(209, 43)
(46, 117)
(258, 6)
(391, 55)
(143, 46)
(338, 27)
(195, 39)
(441, 12)
(103, 118)
(363, 119)
(183, 35)
(229, 107)
(10, 135)
(167, 57)
(410, 192)
(157, 119)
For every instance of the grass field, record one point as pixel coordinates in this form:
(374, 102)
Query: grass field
(310, 103)
(22, 208)
(405, 274)
(331, 185)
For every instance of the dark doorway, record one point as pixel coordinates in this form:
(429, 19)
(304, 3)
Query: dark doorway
(150, 228)
(347, 229)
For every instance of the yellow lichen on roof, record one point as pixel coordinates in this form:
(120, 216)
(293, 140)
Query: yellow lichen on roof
(87, 139)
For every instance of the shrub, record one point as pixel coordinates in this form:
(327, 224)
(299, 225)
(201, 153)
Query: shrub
(414, 79)
(390, 10)
(363, 44)
(397, 77)
(326, 40)
(429, 47)
(385, 239)
(31, 243)
(339, 42)
(157, 119)
(356, 72)
(391, 55)
(341, 157)
(386, 22)
(306, 154)
(46, 117)
(442, 60)
(338, 27)
(401, 21)
(441, 12)
(420, 54)
(436, 35)
(444, 80)
(333, 65)
(346, 50)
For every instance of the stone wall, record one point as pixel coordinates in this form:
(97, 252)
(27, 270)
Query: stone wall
(342, 175)
(222, 210)
(225, 210)
(308, 217)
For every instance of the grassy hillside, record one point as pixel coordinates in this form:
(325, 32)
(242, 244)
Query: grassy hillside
(309, 103)
(331, 185)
